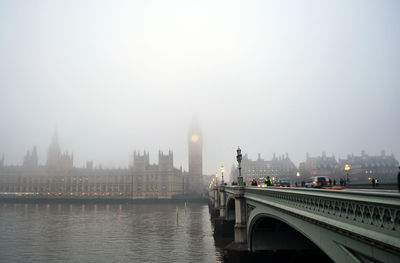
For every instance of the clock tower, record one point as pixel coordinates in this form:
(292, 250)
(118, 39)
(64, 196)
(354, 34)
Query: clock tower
(194, 182)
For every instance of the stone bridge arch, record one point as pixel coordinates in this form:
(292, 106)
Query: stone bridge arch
(262, 219)
(351, 226)
(268, 232)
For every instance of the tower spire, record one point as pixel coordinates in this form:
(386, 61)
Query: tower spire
(195, 143)
(53, 154)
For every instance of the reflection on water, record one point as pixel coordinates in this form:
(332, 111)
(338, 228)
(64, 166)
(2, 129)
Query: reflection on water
(89, 232)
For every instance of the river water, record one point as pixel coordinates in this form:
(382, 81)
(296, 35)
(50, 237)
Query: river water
(126, 232)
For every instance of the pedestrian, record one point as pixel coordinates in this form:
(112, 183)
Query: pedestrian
(398, 180)
(268, 181)
(373, 182)
(334, 181)
(296, 184)
(254, 182)
(341, 181)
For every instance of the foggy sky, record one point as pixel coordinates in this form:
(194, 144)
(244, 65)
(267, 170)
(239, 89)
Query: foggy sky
(271, 76)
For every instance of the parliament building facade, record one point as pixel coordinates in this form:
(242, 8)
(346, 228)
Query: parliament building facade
(58, 178)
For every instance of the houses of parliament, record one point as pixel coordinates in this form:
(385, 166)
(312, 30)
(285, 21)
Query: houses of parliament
(58, 178)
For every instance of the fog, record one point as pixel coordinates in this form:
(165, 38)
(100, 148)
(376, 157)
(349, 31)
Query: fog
(278, 77)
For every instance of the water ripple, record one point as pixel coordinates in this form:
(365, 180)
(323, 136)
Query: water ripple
(106, 233)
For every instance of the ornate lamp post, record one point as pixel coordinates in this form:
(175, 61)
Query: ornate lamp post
(347, 169)
(216, 179)
(239, 160)
(222, 174)
(298, 176)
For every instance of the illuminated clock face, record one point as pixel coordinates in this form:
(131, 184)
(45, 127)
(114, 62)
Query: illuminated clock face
(194, 138)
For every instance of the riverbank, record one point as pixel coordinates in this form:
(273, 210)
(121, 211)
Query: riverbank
(97, 200)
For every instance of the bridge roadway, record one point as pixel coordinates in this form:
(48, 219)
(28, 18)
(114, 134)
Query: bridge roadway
(348, 226)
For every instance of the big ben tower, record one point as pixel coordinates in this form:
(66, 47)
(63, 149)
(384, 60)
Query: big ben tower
(195, 178)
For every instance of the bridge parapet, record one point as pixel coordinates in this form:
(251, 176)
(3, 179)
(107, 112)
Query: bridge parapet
(370, 217)
(230, 190)
(356, 222)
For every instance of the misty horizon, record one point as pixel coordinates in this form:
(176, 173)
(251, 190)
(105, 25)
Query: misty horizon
(271, 77)
(154, 158)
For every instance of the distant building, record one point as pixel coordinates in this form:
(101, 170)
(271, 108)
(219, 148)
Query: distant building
(156, 181)
(194, 180)
(57, 160)
(278, 167)
(31, 160)
(60, 179)
(321, 165)
(2, 161)
(363, 168)
(303, 174)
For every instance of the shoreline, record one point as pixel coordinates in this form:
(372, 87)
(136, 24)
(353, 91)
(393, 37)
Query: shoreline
(100, 200)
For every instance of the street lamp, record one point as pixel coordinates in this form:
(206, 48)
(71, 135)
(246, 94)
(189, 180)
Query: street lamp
(222, 174)
(239, 160)
(216, 178)
(298, 176)
(347, 169)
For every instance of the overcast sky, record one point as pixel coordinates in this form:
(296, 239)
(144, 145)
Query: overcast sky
(270, 76)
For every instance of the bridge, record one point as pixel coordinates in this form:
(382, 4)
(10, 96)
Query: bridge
(348, 226)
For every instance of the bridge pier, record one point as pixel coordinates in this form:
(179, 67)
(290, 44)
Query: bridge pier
(222, 197)
(240, 215)
(214, 206)
(238, 250)
(210, 199)
(303, 224)
(216, 203)
(222, 226)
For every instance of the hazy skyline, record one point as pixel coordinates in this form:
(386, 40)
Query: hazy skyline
(271, 76)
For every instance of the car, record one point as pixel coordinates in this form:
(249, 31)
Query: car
(283, 183)
(317, 182)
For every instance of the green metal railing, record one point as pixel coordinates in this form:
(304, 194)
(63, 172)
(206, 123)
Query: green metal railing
(371, 215)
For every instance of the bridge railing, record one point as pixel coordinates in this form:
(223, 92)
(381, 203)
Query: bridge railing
(371, 215)
(229, 189)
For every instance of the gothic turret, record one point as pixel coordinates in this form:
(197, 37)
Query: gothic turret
(140, 162)
(53, 154)
(165, 162)
(56, 159)
(31, 160)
